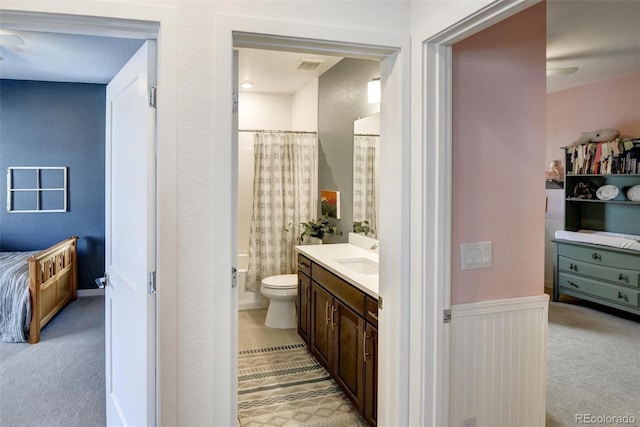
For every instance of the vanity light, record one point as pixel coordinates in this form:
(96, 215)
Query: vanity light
(373, 91)
(246, 85)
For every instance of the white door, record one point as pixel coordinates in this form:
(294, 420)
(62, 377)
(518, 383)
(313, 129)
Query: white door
(130, 308)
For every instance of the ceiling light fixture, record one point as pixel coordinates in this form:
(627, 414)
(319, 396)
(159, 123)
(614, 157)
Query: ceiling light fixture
(246, 85)
(559, 71)
(373, 91)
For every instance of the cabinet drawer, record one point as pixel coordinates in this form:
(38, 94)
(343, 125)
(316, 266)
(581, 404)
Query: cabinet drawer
(351, 296)
(617, 294)
(620, 276)
(304, 265)
(371, 311)
(598, 255)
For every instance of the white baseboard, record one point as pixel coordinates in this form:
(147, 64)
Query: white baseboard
(90, 293)
(498, 362)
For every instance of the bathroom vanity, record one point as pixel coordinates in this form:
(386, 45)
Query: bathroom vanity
(338, 317)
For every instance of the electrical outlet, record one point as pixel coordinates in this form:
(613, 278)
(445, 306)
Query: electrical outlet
(469, 422)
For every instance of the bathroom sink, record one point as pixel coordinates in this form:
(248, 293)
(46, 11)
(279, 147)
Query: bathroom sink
(360, 265)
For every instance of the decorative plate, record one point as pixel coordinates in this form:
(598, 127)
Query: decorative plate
(633, 193)
(607, 192)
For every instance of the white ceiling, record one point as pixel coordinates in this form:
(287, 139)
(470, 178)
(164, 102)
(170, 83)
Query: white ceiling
(602, 38)
(273, 71)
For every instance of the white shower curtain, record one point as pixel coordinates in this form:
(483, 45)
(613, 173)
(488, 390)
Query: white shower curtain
(284, 195)
(365, 180)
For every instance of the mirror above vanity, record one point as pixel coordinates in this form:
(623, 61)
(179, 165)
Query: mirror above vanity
(366, 149)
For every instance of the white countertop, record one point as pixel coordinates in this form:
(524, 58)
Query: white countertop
(326, 256)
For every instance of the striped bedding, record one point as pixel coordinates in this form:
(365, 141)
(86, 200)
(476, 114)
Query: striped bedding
(15, 306)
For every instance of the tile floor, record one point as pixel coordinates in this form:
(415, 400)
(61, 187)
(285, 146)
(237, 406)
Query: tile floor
(253, 334)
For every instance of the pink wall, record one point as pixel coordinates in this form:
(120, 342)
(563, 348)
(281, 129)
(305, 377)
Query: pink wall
(609, 104)
(498, 156)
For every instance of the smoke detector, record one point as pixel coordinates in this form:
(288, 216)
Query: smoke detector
(306, 64)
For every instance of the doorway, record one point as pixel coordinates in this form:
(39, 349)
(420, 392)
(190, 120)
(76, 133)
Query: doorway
(239, 32)
(145, 22)
(283, 110)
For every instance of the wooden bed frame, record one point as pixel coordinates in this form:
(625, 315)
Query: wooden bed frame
(53, 282)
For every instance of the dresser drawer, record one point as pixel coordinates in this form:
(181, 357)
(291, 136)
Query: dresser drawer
(597, 255)
(617, 294)
(349, 294)
(616, 275)
(371, 307)
(304, 265)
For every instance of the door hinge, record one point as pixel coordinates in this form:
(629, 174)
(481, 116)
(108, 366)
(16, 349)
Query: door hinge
(234, 277)
(153, 96)
(446, 316)
(379, 303)
(152, 283)
(234, 101)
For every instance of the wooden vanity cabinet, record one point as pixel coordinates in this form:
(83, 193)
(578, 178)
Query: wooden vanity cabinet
(321, 306)
(303, 301)
(348, 360)
(370, 358)
(342, 333)
(336, 342)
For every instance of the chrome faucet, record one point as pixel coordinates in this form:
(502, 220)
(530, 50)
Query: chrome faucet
(375, 246)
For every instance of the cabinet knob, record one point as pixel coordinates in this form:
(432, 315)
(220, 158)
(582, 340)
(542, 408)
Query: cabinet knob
(573, 267)
(573, 284)
(623, 278)
(596, 256)
(623, 296)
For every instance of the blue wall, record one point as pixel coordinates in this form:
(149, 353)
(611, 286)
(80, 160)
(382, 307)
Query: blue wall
(56, 124)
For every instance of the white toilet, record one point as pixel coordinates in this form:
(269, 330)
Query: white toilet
(281, 291)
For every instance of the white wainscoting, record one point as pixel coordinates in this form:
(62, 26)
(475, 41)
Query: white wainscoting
(550, 228)
(498, 362)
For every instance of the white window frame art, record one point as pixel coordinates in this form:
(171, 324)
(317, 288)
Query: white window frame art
(37, 190)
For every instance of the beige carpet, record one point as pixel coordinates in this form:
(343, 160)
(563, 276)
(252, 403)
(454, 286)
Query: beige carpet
(593, 365)
(285, 386)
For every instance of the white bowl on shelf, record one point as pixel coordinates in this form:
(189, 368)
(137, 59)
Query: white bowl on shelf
(633, 193)
(607, 192)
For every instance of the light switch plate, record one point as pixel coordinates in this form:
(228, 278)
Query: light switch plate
(475, 255)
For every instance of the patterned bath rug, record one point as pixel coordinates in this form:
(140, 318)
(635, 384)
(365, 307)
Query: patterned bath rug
(286, 386)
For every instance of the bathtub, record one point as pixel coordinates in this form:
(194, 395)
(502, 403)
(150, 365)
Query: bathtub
(247, 299)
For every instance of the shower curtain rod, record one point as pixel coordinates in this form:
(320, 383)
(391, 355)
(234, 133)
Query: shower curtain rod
(277, 131)
(366, 134)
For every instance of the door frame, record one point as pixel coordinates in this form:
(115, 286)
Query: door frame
(431, 211)
(139, 22)
(393, 50)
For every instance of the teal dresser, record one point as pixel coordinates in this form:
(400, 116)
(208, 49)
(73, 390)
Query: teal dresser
(605, 275)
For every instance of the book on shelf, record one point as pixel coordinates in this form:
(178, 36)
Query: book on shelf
(604, 158)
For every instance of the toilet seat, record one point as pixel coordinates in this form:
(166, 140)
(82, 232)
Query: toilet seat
(281, 282)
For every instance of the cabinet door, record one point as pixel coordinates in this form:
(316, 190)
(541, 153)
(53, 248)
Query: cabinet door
(347, 328)
(304, 307)
(321, 302)
(371, 375)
